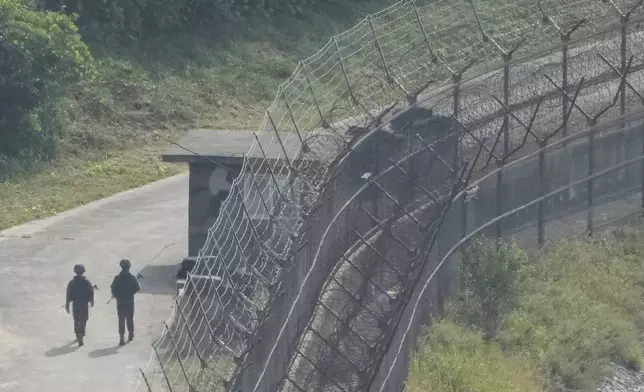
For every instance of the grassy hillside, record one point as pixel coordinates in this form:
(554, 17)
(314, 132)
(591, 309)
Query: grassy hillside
(104, 133)
(549, 323)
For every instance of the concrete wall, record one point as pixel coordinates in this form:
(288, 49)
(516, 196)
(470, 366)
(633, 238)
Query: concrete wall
(519, 186)
(209, 185)
(329, 230)
(328, 234)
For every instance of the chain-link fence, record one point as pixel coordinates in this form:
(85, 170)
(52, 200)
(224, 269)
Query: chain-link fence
(311, 276)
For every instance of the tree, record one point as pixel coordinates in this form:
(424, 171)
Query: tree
(41, 54)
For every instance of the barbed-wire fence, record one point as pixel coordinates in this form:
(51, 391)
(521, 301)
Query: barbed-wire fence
(309, 278)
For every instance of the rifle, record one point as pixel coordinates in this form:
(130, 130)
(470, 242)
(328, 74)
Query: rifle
(138, 276)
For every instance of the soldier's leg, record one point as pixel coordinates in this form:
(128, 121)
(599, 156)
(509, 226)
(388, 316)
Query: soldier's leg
(77, 324)
(120, 311)
(130, 322)
(121, 315)
(84, 318)
(80, 318)
(83, 324)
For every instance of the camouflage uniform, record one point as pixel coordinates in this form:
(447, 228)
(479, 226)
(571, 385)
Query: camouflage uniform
(124, 286)
(80, 292)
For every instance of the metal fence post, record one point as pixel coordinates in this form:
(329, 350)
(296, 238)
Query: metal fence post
(464, 201)
(565, 58)
(382, 55)
(290, 113)
(499, 199)
(507, 59)
(145, 379)
(270, 171)
(456, 80)
(323, 121)
(591, 170)
(642, 173)
(279, 139)
(176, 351)
(506, 100)
(375, 167)
(542, 191)
(344, 70)
(623, 21)
(564, 87)
(165, 375)
(422, 29)
(565, 38)
(192, 340)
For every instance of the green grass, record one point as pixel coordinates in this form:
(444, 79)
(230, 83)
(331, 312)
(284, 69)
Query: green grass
(574, 309)
(80, 179)
(164, 86)
(581, 307)
(214, 77)
(455, 359)
(209, 378)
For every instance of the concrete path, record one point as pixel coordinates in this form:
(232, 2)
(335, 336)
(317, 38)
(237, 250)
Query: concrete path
(37, 350)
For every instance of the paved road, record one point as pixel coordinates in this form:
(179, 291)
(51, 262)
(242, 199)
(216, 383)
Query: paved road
(37, 352)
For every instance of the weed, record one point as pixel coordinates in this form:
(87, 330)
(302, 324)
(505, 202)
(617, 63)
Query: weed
(579, 308)
(455, 359)
(198, 78)
(490, 275)
(573, 310)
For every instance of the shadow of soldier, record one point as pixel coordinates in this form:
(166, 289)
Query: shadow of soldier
(104, 352)
(66, 349)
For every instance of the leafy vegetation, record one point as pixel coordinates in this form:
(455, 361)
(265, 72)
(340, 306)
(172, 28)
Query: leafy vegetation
(455, 359)
(97, 79)
(558, 318)
(579, 308)
(40, 55)
(489, 279)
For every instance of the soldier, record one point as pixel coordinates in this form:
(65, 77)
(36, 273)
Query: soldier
(80, 291)
(124, 286)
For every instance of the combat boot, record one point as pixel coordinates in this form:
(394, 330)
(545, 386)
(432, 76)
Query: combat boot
(130, 336)
(79, 339)
(122, 340)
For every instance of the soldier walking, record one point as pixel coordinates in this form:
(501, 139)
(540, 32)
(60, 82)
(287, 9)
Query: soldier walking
(124, 286)
(80, 291)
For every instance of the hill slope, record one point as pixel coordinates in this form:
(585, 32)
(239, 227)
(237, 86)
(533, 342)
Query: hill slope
(133, 84)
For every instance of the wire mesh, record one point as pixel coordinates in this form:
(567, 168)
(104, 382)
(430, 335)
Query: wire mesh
(308, 277)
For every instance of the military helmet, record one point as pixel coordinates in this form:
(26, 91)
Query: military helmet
(79, 269)
(125, 263)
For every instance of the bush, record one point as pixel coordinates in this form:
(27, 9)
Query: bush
(123, 21)
(41, 55)
(454, 359)
(118, 22)
(574, 310)
(579, 309)
(490, 274)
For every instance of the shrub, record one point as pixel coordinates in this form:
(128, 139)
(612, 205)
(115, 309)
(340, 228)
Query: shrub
(579, 307)
(490, 274)
(454, 359)
(41, 54)
(118, 22)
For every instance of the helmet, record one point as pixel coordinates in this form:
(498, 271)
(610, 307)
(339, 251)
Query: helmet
(79, 269)
(125, 263)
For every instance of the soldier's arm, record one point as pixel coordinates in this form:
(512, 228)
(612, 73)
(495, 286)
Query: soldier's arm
(137, 286)
(68, 296)
(113, 286)
(91, 292)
